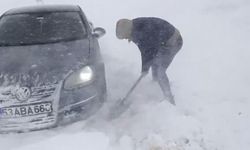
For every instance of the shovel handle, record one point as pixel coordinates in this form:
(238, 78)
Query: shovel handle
(132, 88)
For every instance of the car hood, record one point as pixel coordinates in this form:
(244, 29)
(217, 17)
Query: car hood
(36, 65)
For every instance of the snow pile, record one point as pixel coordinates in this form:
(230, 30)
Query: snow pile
(209, 77)
(63, 141)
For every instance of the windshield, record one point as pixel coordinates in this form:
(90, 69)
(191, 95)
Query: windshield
(28, 29)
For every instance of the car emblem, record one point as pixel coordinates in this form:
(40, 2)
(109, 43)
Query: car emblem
(22, 94)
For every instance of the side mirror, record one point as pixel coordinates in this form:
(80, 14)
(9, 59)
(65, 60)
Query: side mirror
(98, 32)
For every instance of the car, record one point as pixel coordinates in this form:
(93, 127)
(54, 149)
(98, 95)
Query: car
(51, 71)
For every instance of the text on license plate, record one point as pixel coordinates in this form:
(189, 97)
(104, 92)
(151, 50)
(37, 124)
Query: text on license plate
(26, 110)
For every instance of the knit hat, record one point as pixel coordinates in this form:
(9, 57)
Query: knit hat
(124, 29)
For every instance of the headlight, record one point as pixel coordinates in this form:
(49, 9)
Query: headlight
(80, 78)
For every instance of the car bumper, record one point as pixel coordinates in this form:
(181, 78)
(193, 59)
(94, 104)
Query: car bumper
(64, 109)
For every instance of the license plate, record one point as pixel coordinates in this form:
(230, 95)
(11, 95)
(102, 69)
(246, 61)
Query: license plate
(26, 110)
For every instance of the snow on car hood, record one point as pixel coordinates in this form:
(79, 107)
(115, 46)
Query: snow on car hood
(35, 65)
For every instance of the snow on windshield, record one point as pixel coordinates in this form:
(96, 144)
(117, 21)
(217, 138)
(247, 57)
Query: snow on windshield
(40, 28)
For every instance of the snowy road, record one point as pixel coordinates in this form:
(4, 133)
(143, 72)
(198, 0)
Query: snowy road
(209, 77)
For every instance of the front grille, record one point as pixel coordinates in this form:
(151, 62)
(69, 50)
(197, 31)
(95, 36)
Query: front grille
(37, 94)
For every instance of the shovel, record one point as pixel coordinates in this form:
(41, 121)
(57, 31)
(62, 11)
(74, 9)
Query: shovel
(123, 104)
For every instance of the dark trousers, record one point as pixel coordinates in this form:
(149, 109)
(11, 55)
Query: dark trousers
(163, 59)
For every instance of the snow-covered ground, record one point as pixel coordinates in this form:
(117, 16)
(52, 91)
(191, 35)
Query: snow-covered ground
(209, 78)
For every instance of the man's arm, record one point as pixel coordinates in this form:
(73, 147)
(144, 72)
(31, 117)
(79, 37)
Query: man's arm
(147, 60)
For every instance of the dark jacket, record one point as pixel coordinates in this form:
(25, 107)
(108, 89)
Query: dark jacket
(149, 34)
